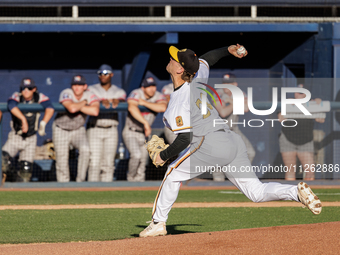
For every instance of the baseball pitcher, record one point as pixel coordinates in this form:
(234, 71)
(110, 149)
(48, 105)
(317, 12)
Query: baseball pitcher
(206, 144)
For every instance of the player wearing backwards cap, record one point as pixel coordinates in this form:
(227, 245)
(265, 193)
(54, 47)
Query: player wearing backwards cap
(24, 126)
(138, 125)
(68, 128)
(102, 130)
(207, 145)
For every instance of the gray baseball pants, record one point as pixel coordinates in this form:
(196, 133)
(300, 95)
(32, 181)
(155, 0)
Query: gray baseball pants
(134, 142)
(62, 140)
(103, 146)
(26, 147)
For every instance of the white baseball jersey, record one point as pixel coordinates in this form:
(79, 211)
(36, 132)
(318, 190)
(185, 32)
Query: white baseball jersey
(231, 118)
(168, 89)
(149, 116)
(69, 121)
(184, 112)
(169, 135)
(106, 118)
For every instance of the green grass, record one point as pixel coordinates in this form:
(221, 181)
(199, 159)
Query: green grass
(35, 226)
(31, 226)
(114, 197)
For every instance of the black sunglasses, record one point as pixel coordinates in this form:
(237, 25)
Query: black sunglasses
(103, 74)
(29, 88)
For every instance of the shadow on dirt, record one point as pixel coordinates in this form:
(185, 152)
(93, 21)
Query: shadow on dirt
(172, 229)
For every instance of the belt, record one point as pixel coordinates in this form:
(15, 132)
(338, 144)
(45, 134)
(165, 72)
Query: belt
(92, 125)
(65, 128)
(104, 126)
(136, 130)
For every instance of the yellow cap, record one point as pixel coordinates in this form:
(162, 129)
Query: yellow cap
(173, 52)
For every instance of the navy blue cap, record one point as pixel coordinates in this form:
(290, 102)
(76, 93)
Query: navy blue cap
(78, 80)
(104, 69)
(147, 82)
(27, 83)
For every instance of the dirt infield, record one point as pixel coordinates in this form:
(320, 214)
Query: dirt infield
(320, 238)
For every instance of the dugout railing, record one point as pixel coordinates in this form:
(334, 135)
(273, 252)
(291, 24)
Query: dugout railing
(159, 172)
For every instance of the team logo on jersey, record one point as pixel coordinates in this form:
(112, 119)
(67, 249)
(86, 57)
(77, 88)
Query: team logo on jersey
(179, 121)
(65, 96)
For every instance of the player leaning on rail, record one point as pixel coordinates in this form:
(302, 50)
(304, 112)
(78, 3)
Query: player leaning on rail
(24, 126)
(206, 145)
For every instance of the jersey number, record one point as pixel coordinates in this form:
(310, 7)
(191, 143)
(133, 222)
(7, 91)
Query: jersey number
(199, 103)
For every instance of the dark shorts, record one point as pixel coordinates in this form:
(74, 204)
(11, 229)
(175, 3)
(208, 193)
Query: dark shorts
(287, 146)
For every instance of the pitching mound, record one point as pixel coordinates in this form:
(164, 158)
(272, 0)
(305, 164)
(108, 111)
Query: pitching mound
(320, 238)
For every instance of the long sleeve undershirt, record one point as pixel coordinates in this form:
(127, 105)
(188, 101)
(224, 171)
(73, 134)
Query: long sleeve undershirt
(181, 142)
(213, 56)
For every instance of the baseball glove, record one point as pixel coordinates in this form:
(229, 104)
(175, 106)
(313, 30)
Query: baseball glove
(3, 178)
(154, 147)
(50, 150)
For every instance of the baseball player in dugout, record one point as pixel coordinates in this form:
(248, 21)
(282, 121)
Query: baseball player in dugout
(24, 125)
(138, 125)
(68, 128)
(102, 130)
(206, 144)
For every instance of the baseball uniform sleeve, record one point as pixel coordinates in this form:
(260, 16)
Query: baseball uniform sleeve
(160, 97)
(180, 120)
(91, 97)
(168, 89)
(11, 104)
(203, 71)
(13, 101)
(91, 88)
(65, 95)
(45, 101)
(121, 95)
(134, 95)
(15, 97)
(179, 144)
(213, 56)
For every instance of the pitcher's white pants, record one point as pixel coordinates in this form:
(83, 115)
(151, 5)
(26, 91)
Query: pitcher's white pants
(222, 149)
